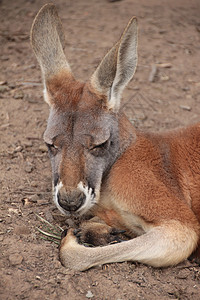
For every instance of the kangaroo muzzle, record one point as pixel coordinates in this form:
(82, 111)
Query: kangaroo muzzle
(78, 200)
(71, 201)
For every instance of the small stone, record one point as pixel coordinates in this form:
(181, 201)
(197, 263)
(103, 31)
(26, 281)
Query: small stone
(43, 148)
(4, 88)
(13, 210)
(57, 264)
(4, 58)
(3, 82)
(185, 107)
(12, 85)
(18, 94)
(183, 274)
(198, 28)
(164, 77)
(26, 202)
(15, 259)
(153, 73)
(185, 88)
(162, 31)
(18, 149)
(28, 168)
(27, 143)
(89, 295)
(34, 183)
(34, 198)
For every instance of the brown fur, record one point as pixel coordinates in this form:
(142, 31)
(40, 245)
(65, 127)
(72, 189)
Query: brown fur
(63, 86)
(145, 183)
(169, 177)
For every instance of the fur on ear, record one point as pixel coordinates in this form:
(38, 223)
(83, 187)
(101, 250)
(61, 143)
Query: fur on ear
(47, 40)
(117, 67)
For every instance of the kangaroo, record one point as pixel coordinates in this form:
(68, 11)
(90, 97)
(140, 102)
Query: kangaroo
(145, 183)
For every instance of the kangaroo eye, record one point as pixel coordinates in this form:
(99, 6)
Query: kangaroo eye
(100, 149)
(52, 149)
(101, 146)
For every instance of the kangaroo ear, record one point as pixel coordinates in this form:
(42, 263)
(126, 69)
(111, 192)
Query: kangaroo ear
(47, 40)
(117, 67)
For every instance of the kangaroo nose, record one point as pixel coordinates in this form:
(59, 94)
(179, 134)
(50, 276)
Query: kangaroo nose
(71, 202)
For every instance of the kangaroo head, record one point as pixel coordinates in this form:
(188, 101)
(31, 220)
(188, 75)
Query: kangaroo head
(85, 132)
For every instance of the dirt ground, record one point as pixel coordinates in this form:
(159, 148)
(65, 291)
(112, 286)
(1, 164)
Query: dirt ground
(164, 94)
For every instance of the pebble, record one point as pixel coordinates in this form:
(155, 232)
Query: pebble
(57, 264)
(18, 94)
(153, 73)
(3, 82)
(13, 210)
(15, 259)
(12, 85)
(34, 198)
(4, 88)
(26, 202)
(28, 168)
(186, 88)
(34, 183)
(43, 148)
(89, 295)
(183, 274)
(18, 149)
(27, 143)
(164, 77)
(185, 107)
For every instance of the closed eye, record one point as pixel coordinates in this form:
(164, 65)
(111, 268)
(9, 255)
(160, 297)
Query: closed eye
(52, 149)
(100, 149)
(101, 146)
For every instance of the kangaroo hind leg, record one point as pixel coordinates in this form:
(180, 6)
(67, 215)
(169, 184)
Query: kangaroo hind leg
(163, 245)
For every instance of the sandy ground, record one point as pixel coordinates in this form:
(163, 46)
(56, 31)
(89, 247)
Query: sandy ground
(169, 39)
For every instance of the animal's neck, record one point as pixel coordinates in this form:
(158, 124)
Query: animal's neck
(127, 133)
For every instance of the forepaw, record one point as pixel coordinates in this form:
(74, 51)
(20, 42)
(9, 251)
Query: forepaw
(73, 255)
(75, 251)
(68, 238)
(92, 234)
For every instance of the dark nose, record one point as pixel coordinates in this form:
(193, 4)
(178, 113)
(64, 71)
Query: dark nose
(72, 201)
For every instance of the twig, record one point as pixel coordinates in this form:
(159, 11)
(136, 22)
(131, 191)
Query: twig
(153, 73)
(45, 221)
(49, 239)
(48, 234)
(30, 83)
(5, 125)
(30, 192)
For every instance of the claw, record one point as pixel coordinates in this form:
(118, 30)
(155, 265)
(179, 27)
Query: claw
(116, 241)
(64, 233)
(115, 231)
(77, 232)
